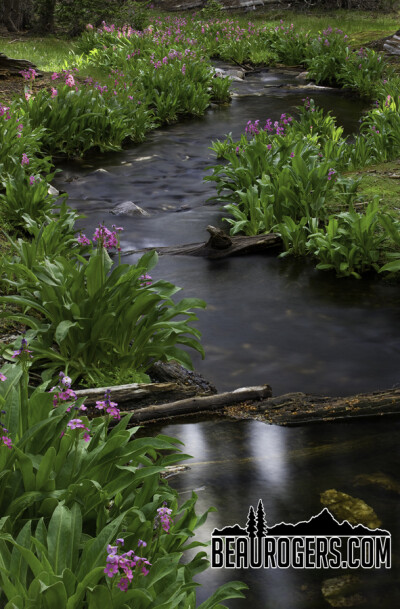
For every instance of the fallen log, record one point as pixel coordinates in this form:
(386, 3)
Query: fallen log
(11, 66)
(219, 245)
(172, 372)
(300, 408)
(199, 404)
(138, 395)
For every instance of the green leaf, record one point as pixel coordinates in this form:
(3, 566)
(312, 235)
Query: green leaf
(18, 565)
(59, 539)
(63, 328)
(45, 467)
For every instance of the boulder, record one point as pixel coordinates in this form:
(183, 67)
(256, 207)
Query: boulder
(128, 208)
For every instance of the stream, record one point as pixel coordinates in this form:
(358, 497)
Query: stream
(268, 320)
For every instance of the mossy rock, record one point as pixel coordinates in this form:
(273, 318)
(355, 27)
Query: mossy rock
(346, 507)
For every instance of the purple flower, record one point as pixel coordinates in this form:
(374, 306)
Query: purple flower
(83, 240)
(120, 541)
(7, 441)
(31, 180)
(75, 424)
(292, 154)
(145, 280)
(164, 518)
(141, 543)
(25, 160)
(23, 353)
(111, 569)
(70, 81)
(2, 377)
(54, 92)
(123, 584)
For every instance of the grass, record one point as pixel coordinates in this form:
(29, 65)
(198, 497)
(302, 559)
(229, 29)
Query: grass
(362, 27)
(382, 180)
(48, 54)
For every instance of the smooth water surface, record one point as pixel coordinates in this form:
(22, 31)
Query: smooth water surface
(267, 320)
(237, 463)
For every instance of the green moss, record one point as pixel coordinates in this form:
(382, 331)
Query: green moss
(382, 180)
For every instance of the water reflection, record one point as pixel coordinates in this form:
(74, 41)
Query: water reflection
(237, 463)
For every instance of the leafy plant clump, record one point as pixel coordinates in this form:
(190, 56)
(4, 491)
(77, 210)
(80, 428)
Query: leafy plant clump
(88, 314)
(288, 177)
(87, 522)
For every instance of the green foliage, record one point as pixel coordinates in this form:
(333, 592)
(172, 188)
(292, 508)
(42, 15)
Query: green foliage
(363, 71)
(66, 499)
(350, 243)
(18, 138)
(23, 198)
(290, 47)
(90, 316)
(326, 55)
(56, 236)
(77, 120)
(212, 9)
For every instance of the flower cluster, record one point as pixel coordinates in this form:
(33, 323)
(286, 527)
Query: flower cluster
(163, 518)
(126, 564)
(331, 173)
(29, 74)
(23, 353)
(273, 128)
(109, 407)
(106, 238)
(64, 393)
(78, 424)
(145, 280)
(5, 111)
(24, 160)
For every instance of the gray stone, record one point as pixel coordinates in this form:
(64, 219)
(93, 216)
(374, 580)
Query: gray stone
(303, 76)
(128, 208)
(53, 191)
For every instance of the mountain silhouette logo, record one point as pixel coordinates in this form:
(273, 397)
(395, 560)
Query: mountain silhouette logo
(320, 542)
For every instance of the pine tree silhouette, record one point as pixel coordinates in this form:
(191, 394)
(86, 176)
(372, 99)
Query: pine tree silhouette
(261, 522)
(251, 527)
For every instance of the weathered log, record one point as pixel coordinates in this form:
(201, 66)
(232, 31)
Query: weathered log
(200, 404)
(172, 372)
(300, 408)
(219, 245)
(13, 66)
(137, 395)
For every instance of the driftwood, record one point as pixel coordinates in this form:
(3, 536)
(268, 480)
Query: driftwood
(300, 408)
(171, 372)
(200, 404)
(9, 66)
(137, 395)
(219, 245)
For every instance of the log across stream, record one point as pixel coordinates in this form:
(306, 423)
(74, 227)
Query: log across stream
(160, 401)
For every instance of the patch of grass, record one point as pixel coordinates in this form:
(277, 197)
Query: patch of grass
(48, 54)
(354, 23)
(382, 180)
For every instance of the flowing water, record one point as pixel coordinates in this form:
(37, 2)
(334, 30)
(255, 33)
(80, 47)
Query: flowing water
(268, 320)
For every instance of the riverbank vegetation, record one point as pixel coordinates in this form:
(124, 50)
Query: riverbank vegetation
(87, 522)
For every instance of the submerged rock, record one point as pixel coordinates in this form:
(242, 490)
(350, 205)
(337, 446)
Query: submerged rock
(128, 208)
(378, 479)
(341, 591)
(346, 507)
